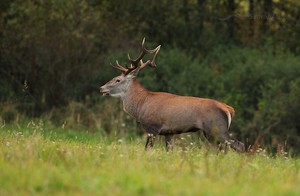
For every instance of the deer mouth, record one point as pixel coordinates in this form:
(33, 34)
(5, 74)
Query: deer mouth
(105, 93)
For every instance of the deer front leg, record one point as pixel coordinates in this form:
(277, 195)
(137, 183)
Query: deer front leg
(168, 141)
(150, 141)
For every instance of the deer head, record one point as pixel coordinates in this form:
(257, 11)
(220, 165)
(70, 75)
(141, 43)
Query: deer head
(119, 85)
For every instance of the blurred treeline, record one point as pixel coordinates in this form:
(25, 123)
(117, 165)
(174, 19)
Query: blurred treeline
(56, 53)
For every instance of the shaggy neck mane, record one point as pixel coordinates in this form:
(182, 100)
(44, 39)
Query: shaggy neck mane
(134, 98)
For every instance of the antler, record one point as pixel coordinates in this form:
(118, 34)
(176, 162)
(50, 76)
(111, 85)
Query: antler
(143, 53)
(148, 62)
(134, 63)
(119, 67)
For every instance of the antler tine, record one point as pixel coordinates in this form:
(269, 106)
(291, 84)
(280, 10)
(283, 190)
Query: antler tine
(119, 67)
(134, 63)
(153, 63)
(148, 62)
(142, 54)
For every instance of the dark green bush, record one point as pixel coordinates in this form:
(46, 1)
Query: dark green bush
(51, 47)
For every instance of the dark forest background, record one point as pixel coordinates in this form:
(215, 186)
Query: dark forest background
(54, 55)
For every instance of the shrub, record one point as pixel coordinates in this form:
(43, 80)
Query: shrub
(50, 47)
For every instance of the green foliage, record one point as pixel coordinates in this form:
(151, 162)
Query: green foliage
(259, 87)
(35, 160)
(278, 113)
(47, 48)
(55, 54)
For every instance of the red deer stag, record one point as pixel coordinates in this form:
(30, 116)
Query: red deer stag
(167, 114)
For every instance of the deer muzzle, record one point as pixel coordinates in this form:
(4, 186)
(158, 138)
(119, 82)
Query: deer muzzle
(104, 91)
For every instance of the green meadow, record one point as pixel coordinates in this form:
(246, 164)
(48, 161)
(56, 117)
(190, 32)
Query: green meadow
(55, 54)
(68, 162)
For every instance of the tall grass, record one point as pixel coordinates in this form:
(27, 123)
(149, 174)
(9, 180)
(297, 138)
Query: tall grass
(34, 160)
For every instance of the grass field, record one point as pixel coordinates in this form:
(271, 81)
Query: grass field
(66, 162)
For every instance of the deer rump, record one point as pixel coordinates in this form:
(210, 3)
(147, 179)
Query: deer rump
(164, 114)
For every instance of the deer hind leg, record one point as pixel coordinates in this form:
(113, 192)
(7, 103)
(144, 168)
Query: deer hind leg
(150, 141)
(238, 146)
(212, 140)
(226, 140)
(168, 140)
(209, 137)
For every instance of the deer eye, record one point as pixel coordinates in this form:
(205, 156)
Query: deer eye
(118, 80)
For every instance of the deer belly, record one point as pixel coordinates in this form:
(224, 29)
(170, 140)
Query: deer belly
(170, 121)
(177, 126)
(152, 128)
(178, 131)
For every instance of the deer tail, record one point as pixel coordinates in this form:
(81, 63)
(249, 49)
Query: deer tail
(230, 114)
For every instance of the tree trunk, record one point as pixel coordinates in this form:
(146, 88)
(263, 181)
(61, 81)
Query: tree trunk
(231, 22)
(200, 14)
(266, 14)
(251, 18)
(186, 10)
